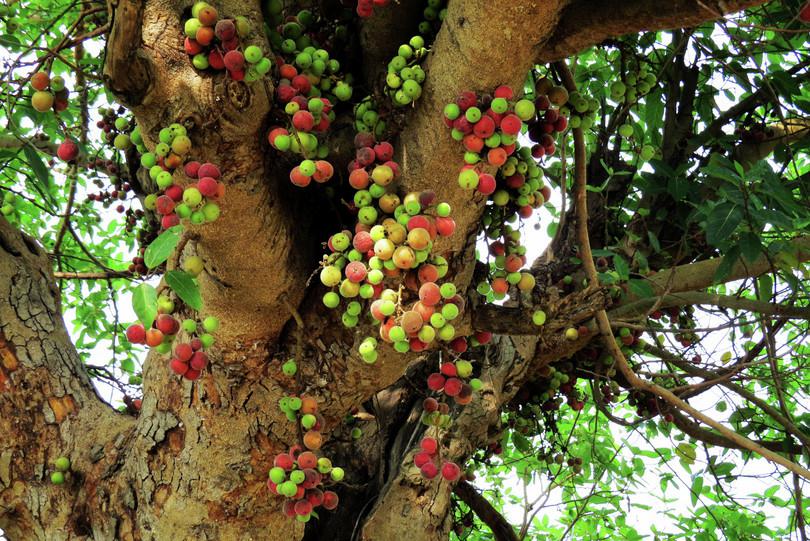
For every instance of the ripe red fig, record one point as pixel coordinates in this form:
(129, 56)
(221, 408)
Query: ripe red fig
(429, 445)
(450, 471)
(198, 360)
(167, 324)
(136, 334)
(421, 458)
(208, 186)
(234, 60)
(429, 470)
(225, 29)
(178, 367)
(68, 151)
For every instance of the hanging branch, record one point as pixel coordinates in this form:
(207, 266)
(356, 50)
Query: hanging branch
(604, 323)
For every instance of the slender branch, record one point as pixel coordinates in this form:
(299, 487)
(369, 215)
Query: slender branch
(500, 527)
(92, 275)
(688, 298)
(73, 178)
(797, 496)
(693, 429)
(11, 142)
(604, 322)
(721, 379)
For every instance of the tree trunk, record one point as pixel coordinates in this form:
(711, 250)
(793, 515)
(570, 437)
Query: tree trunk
(194, 462)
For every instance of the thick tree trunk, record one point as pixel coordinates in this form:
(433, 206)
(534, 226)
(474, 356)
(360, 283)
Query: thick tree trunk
(193, 464)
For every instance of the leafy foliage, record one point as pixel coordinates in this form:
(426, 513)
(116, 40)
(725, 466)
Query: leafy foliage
(715, 165)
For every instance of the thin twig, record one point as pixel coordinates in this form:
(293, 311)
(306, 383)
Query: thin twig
(604, 322)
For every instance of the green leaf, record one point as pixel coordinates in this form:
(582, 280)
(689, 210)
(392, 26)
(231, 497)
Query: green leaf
(128, 366)
(727, 264)
(686, 452)
(621, 267)
(678, 187)
(765, 283)
(722, 223)
(144, 304)
(640, 288)
(750, 246)
(186, 288)
(654, 241)
(697, 487)
(38, 166)
(162, 247)
(522, 443)
(8, 40)
(724, 468)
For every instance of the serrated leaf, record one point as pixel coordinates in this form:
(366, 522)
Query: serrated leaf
(722, 223)
(621, 267)
(144, 304)
(727, 264)
(186, 288)
(162, 247)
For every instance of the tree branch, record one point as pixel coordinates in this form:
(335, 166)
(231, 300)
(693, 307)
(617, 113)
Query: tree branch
(604, 322)
(501, 529)
(588, 22)
(689, 298)
(691, 428)
(91, 275)
(48, 406)
(708, 376)
(700, 275)
(127, 71)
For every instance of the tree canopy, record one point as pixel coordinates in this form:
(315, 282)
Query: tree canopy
(404, 270)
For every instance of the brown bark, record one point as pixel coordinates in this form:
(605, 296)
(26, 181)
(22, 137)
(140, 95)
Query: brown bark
(501, 529)
(588, 22)
(194, 463)
(48, 407)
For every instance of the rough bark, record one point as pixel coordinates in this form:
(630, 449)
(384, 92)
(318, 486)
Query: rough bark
(194, 463)
(252, 262)
(588, 22)
(48, 407)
